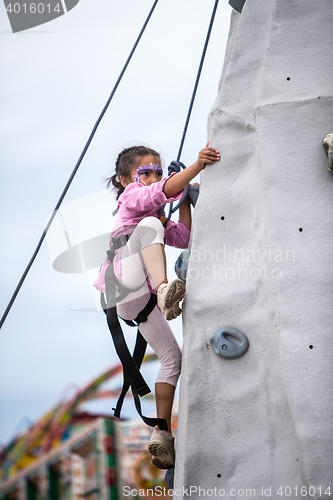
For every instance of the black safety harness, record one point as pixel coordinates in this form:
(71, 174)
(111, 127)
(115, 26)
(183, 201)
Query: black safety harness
(131, 363)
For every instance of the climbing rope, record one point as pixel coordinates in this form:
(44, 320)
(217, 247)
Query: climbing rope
(197, 79)
(63, 194)
(203, 55)
(24, 275)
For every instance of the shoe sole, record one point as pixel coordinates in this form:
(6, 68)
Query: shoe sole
(173, 313)
(161, 465)
(163, 456)
(175, 293)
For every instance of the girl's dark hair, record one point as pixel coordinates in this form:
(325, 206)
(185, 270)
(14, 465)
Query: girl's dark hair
(125, 162)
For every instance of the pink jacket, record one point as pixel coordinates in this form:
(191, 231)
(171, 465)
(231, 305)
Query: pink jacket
(136, 203)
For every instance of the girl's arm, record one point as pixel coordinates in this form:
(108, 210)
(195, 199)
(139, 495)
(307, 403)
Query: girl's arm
(178, 182)
(185, 212)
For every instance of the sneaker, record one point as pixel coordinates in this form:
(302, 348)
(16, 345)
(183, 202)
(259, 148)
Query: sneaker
(161, 446)
(168, 297)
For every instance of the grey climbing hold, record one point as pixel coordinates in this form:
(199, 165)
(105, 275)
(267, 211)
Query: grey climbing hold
(237, 4)
(328, 146)
(224, 346)
(181, 265)
(193, 194)
(169, 478)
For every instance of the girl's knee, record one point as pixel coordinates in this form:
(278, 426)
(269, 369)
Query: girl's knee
(152, 222)
(168, 376)
(152, 231)
(170, 368)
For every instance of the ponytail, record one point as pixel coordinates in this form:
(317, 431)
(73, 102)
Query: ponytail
(125, 162)
(116, 184)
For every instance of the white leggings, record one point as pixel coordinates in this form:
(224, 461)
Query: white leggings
(156, 329)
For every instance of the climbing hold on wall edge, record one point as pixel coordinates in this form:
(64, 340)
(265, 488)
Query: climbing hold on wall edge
(328, 146)
(181, 265)
(237, 4)
(229, 342)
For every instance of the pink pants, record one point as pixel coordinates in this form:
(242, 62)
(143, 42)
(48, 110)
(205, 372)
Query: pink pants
(156, 330)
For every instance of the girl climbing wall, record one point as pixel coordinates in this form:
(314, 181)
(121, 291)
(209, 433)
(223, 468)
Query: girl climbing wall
(139, 266)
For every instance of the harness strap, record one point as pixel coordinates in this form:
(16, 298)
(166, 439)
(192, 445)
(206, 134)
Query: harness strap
(124, 354)
(131, 364)
(152, 422)
(138, 355)
(139, 350)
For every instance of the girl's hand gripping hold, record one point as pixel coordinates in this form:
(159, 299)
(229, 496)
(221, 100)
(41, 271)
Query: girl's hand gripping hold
(179, 181)
(207, 155)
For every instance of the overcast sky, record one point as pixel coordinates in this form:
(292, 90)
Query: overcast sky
(55, 80)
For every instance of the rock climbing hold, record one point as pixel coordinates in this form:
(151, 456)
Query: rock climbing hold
(181, 265)
(229, 342)
(237, 4)
(328, 146)
(193, 194)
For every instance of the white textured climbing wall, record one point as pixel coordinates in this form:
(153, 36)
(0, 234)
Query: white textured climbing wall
(260, 426)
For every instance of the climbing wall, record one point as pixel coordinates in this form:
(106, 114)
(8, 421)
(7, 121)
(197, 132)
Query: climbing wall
(261, 261)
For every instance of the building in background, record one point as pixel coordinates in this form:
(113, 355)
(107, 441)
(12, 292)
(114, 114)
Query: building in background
(83, 465)
(70, 455)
